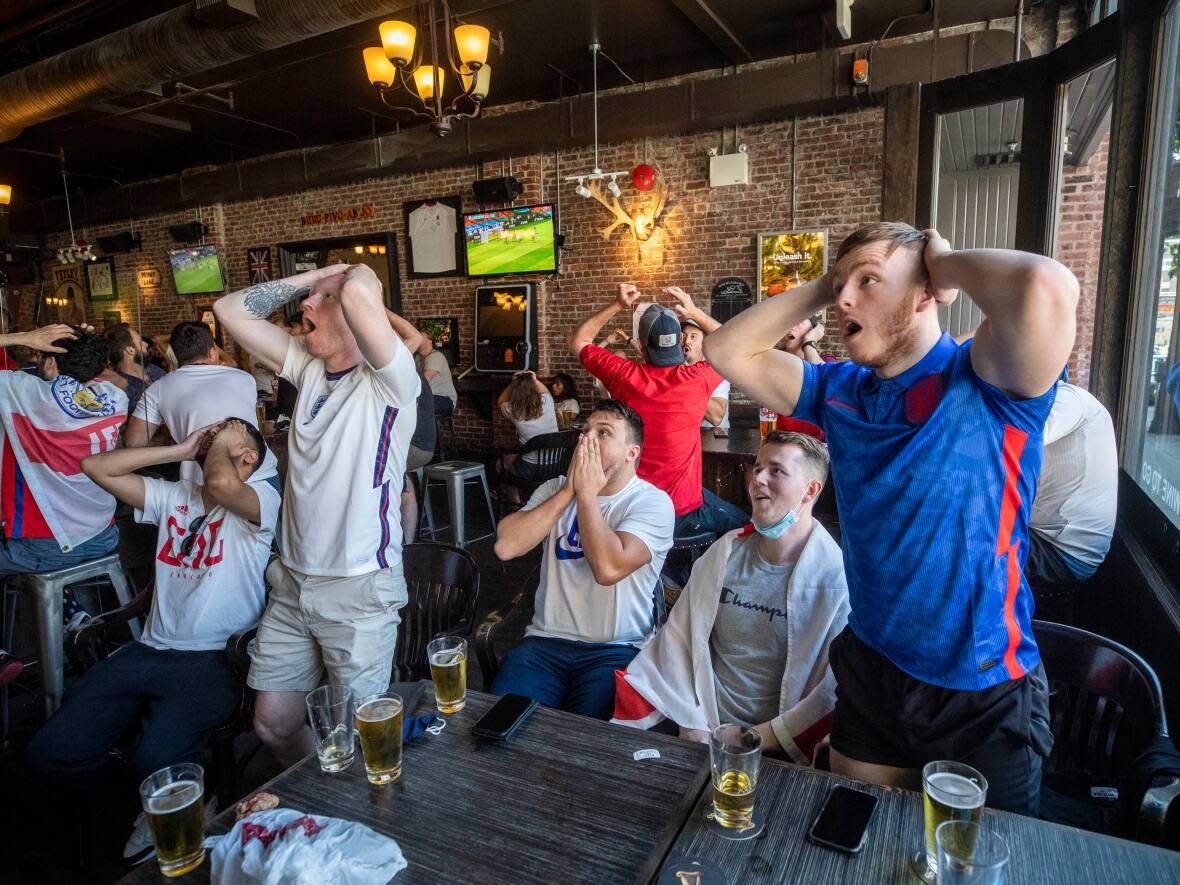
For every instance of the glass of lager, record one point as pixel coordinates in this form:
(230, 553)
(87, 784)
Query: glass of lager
(734, 754)
(173, 800)
(330, 708)
(379, 724)
(969, 854)
(950, 791)
(767, 418)
(448, 669)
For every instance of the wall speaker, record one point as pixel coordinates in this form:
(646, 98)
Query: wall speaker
(496, 190)
(120, 242)
(188, 233)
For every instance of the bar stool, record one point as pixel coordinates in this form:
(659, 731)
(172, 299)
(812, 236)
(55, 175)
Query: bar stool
(425, 514)
(456, 475)
(46, 589)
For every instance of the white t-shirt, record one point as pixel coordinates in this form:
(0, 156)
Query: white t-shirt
(346, 455)
(1077, 493)
(432, 238)
(195, 396)
(441, 384)
(568, 405)
(570, 603)
(216, 589)
(546, 422)
(721, 391)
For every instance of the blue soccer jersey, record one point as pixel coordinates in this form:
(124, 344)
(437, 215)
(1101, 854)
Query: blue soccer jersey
(935, 473)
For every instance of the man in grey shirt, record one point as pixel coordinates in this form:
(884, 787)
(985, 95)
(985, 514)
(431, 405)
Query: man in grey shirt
(438, 372)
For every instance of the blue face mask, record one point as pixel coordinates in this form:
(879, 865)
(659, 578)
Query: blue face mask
(775, 531)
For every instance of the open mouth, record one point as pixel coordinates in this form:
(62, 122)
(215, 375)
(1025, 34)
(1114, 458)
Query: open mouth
(761, 496)
(851, 328)
(308, 325)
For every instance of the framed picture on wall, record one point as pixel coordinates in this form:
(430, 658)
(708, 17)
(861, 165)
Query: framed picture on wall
(111, 318)
(444, 332)
(434, 237)
(209, 318)
(787, 259)
(100, 279)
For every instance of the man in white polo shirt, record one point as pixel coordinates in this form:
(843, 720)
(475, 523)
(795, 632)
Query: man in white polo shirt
(336, 591)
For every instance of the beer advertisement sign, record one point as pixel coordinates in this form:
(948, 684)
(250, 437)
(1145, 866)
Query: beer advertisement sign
(790, 258)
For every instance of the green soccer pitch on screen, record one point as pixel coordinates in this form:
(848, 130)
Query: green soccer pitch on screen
(511, 241)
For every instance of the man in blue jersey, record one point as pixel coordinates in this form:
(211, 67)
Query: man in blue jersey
(935, 449)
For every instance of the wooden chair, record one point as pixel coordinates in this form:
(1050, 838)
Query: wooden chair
(443, 583)
(1106, 707)
(551, 454)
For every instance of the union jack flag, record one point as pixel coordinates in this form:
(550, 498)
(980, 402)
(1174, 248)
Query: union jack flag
(259, 259)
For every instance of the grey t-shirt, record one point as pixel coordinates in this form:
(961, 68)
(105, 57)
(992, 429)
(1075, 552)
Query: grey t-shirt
(441, 384)
(748, 645)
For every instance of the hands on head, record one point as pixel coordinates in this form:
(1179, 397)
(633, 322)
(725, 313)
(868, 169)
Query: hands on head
(42, 339)
(230, 434)
(937, 248)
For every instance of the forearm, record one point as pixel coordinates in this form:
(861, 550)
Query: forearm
(1005, 283)
(702, 319)
(588, 329)
(716, 410)
(770, 742)
(759, 328)
(404, 330)
(602, 546)
(15, 338)
(811, 355)
(520, 532)
(365, 314)
(244, 313)
(107, 466)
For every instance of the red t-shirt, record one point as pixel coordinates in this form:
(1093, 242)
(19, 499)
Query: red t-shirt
(672, 402)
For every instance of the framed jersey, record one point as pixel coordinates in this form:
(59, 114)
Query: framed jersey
(434, 237)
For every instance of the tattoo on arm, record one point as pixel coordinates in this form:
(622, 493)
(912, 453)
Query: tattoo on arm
(261, 300)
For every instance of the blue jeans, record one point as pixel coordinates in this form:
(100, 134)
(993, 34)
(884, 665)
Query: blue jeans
(20, 556)
(714, 515)
(174, 699)
(578, 677)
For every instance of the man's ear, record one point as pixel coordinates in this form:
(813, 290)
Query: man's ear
(250, 456)
(814, 487)
(633, 453)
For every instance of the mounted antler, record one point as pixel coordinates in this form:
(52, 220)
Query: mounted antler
(642, 221)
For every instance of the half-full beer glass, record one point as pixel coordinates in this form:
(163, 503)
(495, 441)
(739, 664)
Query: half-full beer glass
(331, 708)
(734, 754)
(448, 669)
(950, 791)
(766, 421)
(379, 724)
(173, 800)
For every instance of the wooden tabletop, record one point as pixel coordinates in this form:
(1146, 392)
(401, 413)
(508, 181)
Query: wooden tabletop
(740, 446)
(790, 798)
(563, 801)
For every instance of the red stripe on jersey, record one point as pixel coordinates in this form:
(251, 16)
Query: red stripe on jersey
(1014, 441)
(63, 450)
(22, 517)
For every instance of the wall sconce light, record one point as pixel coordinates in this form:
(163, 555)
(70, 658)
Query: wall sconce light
(5, 194)
(359, 250)
(381, 250)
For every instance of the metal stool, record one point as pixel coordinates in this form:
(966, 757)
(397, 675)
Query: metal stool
(47, 588)
(425, 514)
(456, 474)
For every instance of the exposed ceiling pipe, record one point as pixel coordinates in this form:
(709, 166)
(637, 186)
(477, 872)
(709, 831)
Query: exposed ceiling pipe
(164, 48)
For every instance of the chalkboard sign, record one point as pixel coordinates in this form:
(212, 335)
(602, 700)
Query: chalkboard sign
(730, 296)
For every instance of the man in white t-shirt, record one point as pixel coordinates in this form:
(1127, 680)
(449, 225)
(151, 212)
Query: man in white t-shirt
(337, 589)
(606, 534)
(692, 339)
(197, 394)
(175, 683)
(1077, 494)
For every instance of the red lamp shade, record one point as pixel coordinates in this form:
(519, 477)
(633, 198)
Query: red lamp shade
(643, 177)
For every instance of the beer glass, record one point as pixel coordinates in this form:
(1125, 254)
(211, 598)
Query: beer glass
(448, 669)
(173, 801)
(969, 854)
(950, 791)
(330, 708)
(379, 724)
(734, 754)
(766, 421)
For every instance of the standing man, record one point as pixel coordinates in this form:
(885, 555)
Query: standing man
(692, 339)
(937, 447)
(336, 591)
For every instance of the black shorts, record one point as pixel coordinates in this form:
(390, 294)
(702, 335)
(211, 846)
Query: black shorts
(884, 716)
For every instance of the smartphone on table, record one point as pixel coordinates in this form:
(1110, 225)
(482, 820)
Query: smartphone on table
(843, 822)
(504, 717)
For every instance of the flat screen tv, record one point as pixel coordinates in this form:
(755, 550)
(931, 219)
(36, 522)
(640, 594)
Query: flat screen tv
(197, 270)
(510, 241)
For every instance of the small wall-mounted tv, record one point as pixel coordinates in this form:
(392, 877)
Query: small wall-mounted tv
(511, 241)
(197, 270)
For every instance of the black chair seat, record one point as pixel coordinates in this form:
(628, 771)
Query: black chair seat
(443, 585)
(549, 457)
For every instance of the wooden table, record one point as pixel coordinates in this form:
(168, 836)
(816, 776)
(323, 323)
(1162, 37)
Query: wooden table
(724, 461)
(791, 797)
(563, 801)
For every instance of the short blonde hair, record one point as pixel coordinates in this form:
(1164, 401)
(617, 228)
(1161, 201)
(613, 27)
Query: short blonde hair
(896, 234)
(815, 453)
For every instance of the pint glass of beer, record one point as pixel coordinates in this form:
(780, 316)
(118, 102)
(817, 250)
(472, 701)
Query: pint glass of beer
(766, 420)
(173, 800)
(950, 791)
(379, 724)
(448, 669)
(734, 754)
(330, 708)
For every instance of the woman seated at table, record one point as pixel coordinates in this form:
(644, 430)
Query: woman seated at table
(565, 398)
(528, 404)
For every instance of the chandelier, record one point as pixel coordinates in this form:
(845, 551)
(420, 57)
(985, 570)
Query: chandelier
(410, 60)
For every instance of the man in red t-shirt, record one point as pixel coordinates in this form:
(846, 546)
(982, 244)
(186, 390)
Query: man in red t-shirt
(670, 396)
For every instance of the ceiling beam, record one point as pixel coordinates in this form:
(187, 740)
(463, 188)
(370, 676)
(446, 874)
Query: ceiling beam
(709, 23)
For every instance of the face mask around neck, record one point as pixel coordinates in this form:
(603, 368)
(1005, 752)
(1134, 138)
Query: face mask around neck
(776, 530)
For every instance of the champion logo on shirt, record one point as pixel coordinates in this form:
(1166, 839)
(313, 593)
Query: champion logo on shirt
(81, 402)
(569, 546)
(316, 406)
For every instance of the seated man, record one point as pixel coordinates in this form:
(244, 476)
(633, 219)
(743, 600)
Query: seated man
(128, 361)
(438, 372)
(175, 684)
(54, 517)
(723, 656)
(1077, 496)
(606, 533)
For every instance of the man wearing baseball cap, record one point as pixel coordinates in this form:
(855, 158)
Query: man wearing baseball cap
(669, 395)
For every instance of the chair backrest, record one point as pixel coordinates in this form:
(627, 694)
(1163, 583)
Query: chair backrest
(551, 453)
(443, 584)
(1106, 703)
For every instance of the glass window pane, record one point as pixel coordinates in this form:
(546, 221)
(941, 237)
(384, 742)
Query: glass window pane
(1152, 453)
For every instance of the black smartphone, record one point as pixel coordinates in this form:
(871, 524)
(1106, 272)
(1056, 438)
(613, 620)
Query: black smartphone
(844, 820)
(816, 319)
(505, 716)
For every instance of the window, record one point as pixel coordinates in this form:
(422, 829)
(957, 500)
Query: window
(1151, 452)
